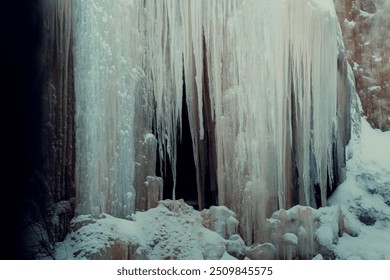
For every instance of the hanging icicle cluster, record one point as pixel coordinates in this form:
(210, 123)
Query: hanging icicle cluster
(261, 87)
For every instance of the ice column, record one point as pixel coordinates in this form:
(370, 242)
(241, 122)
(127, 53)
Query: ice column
(108, 77)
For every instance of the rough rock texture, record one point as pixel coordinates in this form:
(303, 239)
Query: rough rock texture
(365, 25)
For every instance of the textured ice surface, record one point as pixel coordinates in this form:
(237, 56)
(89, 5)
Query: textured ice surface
(266, 106)
(106, 80)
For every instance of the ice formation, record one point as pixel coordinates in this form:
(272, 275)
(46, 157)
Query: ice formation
(107, 52)
(266, 89)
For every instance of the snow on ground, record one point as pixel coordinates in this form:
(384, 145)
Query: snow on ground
(365, 197)
(174, 230)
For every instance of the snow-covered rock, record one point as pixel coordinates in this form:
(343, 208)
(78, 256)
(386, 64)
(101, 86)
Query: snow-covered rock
(266, 251)
(172, 230)
(221, 220)
(102, 238)
(365, 25)
(236, 247)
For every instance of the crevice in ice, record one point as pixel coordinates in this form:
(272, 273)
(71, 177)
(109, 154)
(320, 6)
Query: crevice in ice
(208, 147)
(186, 183)
(294, 190)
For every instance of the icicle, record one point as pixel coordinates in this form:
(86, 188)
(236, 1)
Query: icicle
(277, 105)
(260, 81)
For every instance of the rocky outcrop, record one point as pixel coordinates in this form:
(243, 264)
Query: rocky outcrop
(365, 25)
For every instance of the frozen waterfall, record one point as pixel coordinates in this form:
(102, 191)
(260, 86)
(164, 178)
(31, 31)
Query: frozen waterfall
(264, 84)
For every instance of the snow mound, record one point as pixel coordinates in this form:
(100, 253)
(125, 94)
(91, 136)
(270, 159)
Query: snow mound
(172, 230)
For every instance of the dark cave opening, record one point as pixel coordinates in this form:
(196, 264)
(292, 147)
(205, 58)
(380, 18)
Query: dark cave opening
(208, 144)
(186, 183)
(196, 185)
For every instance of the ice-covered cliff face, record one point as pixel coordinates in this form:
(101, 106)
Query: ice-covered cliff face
(264, 85)
(365, 26)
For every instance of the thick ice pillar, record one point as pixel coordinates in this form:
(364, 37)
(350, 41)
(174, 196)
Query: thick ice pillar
(112, 108)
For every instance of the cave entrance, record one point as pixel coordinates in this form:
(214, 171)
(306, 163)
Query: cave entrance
(197, 186)
(186, 183)
(186, 176)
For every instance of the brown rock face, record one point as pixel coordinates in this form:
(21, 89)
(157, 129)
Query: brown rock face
(365, 25)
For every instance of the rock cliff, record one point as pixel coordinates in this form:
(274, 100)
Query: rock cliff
(365, 25)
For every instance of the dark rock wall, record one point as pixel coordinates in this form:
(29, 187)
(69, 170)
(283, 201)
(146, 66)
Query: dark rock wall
(58, 138)
(37, 126)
